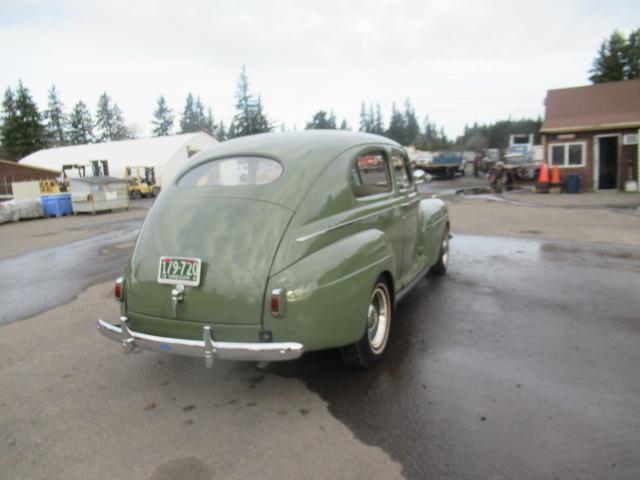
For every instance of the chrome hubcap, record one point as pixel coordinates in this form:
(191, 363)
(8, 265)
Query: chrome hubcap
(378, 318)
(445, 248)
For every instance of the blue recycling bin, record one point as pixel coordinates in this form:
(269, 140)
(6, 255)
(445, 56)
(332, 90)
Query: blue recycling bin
(572, 183)
(57, 205)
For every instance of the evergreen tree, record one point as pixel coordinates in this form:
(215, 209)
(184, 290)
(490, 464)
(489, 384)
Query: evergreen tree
(209, 124)
(632, 55)
(189, 118)
(322, 121)
(397, 125)
(55, 120)
(110, 124)
(411, 127)
(80, 125)
(378, 121)
(8, 123)
(365, 120)
(22, 130)
(221, 133)
(162, 118)
(610, 63)
(344, 125)
(249, 118)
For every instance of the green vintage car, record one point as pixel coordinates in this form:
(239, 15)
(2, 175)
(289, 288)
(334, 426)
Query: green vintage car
(268, 246)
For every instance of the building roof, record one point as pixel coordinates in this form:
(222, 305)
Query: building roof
(156, 152)
(11, 163)
(594, 107)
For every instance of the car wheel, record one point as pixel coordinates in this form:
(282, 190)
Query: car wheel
(440, 268)
(369, 349)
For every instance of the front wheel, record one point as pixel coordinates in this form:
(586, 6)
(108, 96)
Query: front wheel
(369, 349)
(440, 268)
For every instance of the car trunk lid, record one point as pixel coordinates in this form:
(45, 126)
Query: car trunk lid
(235, 239)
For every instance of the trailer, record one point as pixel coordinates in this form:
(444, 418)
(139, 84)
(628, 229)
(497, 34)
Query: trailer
(445, 164)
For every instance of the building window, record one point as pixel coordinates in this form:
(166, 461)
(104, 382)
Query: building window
(567, 154)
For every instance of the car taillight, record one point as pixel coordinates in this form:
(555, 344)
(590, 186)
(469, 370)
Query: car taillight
(120, 288)
(278, 302)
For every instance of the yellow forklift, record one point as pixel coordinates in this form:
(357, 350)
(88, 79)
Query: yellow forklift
(141, 182)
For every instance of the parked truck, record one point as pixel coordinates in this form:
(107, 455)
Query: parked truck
(444, 164)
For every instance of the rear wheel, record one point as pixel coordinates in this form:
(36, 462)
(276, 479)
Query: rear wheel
(440, 268)
(136, 194)
(369, 349)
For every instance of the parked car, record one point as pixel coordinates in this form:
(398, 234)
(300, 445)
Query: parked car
(268, 246)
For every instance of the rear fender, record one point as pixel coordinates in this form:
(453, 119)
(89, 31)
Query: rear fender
(327, 292)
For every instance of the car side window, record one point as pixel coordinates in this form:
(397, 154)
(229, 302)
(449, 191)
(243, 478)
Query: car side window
(401, 170)
(370, 174)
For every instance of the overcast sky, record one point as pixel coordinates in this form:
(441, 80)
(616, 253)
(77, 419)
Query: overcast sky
(459, 62)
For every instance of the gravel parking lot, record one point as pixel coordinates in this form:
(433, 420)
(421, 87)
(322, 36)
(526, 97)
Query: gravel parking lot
(521, 363)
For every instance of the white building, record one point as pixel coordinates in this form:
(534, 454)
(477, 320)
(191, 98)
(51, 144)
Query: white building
(166, 154)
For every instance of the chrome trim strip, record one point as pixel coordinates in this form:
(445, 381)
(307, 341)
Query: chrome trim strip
(304, 238)
(206, 348)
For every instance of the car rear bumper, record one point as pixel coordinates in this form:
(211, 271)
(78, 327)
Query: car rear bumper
(206, 348)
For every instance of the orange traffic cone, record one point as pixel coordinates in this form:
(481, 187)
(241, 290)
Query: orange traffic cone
(555, 175)
(556, 182)
(543, 179)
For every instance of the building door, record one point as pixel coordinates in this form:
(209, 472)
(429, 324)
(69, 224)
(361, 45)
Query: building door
(607, 162)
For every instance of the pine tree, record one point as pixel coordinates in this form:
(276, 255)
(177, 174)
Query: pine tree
(397, 125)
(162, 118)
(365, 124)
(110, 124)
(55, 120)
(80, 125)
(609, 65)
(344, 125)
(632, 55)
(22, 130)
(209, 123)
(322, 120)
(378, 121)
(249, 118)
(412, 128)
(188, 120)
(8, 123)
(221, 132)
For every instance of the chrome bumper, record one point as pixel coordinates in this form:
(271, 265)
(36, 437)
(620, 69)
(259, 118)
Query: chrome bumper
(206, 348)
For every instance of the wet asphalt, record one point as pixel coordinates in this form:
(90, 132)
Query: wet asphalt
(522, 362)
(39, 280)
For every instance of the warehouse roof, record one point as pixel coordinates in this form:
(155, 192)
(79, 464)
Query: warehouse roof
(156, 151)
(593, 107)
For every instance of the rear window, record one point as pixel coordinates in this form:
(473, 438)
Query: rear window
(231, 172)
(370, 175)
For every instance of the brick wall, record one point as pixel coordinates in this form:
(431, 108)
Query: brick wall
(627, 160)
(14, 172)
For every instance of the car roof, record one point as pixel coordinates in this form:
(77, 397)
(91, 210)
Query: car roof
(303, 154)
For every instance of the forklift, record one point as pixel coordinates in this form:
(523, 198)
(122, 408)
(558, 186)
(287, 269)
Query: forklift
(141, 184)
(99, 168)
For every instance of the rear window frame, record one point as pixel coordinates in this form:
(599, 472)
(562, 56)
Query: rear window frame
(179, 178)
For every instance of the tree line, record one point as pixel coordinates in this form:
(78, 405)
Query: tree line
(24, 129)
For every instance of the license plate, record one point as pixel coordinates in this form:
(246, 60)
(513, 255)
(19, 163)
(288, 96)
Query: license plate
(179, 270)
